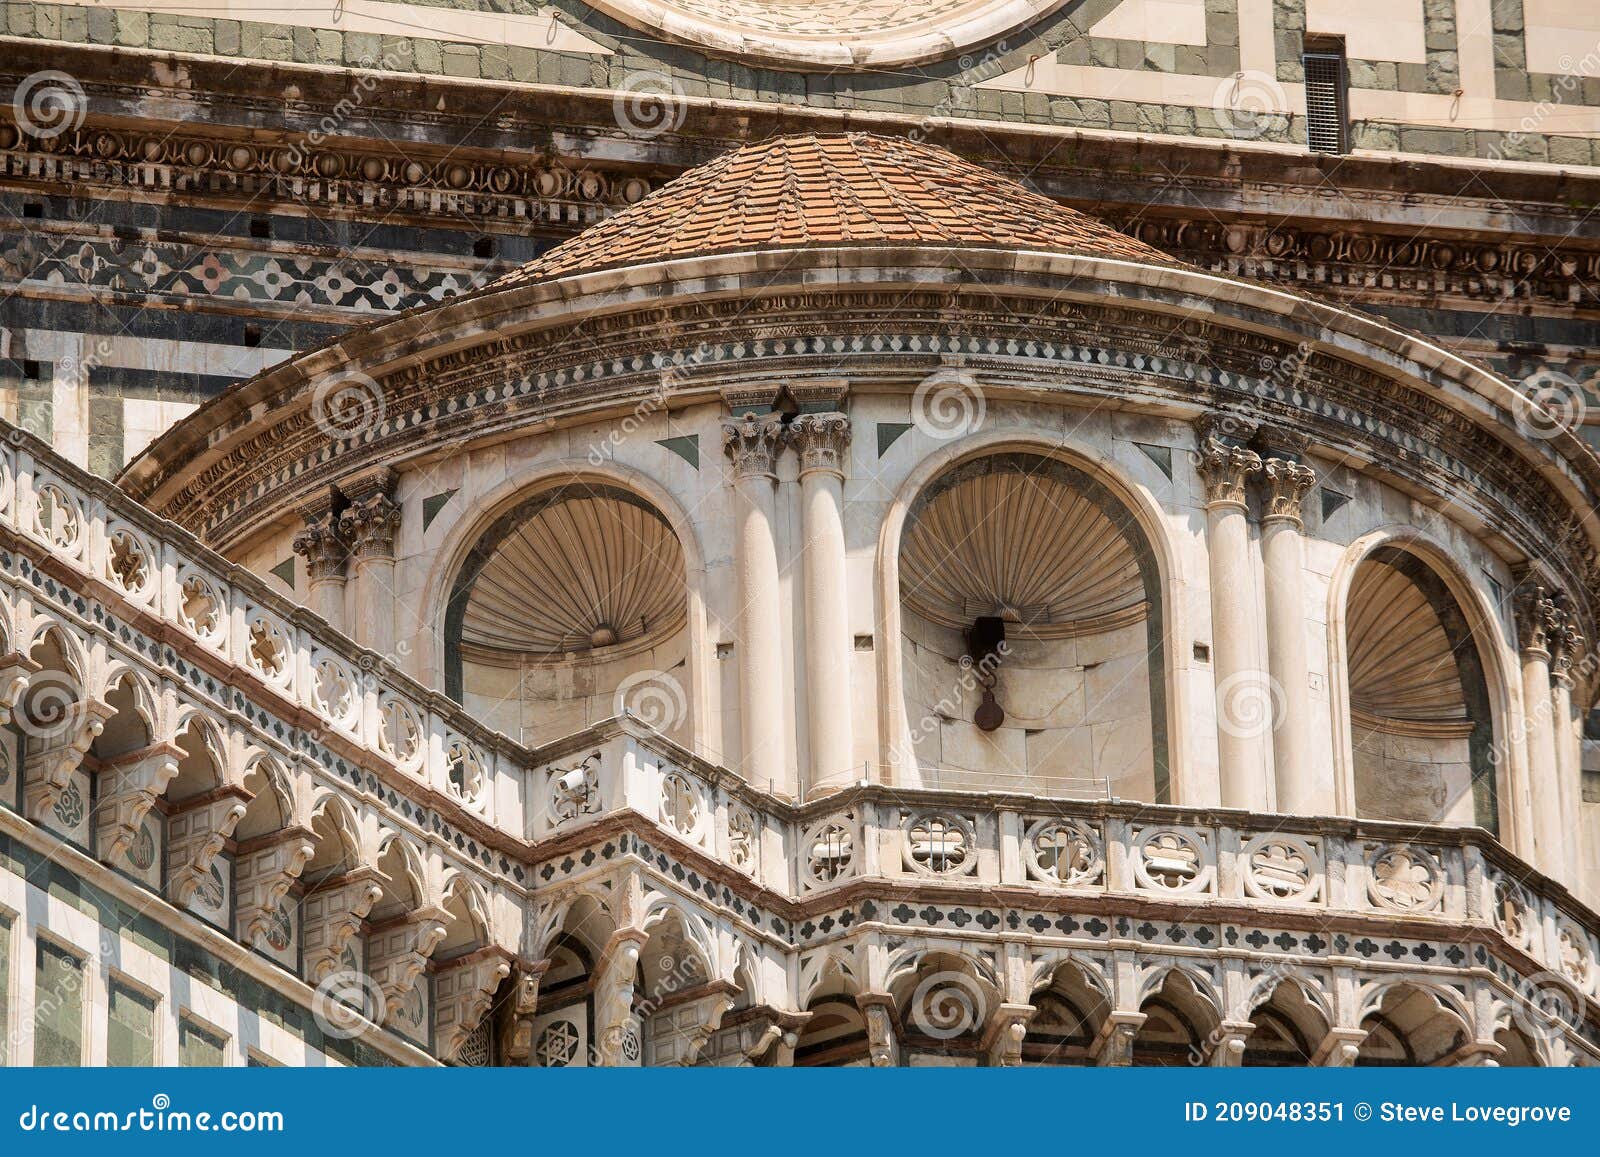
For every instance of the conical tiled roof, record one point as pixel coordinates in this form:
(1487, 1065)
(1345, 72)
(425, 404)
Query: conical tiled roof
(851, 189)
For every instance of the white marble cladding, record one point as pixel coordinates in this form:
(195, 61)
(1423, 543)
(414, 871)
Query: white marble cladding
(262, 636)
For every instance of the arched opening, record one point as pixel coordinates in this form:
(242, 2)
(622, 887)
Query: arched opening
(671, 998)
(1069, 1013)
(943, 1005)
(1421, 725)
(564, 1033)
(1411, 1026)
(129, 832)
(1289, 1027)
(1178, 1026)
(570, 608)
(1033, 649)
(1520, 1051)
(835, 1034)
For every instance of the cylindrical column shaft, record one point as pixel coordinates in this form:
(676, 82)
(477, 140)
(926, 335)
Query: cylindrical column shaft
(1300, 789)
(822, 440)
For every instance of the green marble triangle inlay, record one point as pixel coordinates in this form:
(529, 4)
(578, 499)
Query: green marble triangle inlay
(685, 446)
(1160, 455)
(285, 571)
(889, 433)
(432, 505)
(1332, 501)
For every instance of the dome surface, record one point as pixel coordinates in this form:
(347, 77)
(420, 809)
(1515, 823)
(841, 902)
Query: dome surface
(853, 189)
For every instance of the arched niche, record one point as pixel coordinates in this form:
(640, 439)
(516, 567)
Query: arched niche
(569, 608)
(1420, 712)
(1025, 546)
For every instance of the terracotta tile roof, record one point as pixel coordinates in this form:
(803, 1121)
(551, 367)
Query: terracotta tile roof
(853, 189)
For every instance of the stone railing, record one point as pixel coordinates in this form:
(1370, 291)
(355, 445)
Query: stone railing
(1211, 859)
(266, 646)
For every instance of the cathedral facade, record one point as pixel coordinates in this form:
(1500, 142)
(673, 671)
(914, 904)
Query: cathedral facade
(982, 534)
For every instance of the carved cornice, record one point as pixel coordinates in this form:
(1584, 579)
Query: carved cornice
(823, 440)
(516, 379)
(1283, 485)
(752, 443)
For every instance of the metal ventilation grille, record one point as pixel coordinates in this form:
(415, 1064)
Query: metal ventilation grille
(1325, 100)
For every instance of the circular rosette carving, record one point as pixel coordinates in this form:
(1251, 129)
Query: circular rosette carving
(829, 851)
(573, 791)
(128, 563)
(1406, 879)
(939, 844)
(268, 650)
(464, 772)
(1281, 867)
(1064, 852)
(200, 607)
(743, 837)
(400, 733)
(334, 693)
(1171, 860)
(680, 803)
(1576, 956)
(57, 518)
(1514, 911)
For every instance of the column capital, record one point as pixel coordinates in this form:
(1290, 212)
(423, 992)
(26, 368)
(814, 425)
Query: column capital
(822, 440)
(369, 524)
(752, 442)
(1538, 618)
(1284, 483)
(1225, 469)
(1566, 644)
(323, 547)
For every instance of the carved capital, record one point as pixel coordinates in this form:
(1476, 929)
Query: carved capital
(323, 548)
(369, 524)
(1566, 645)
(752, 442)
(1538, 619)
(822, 440)
(1225, 469)
(1284, 484)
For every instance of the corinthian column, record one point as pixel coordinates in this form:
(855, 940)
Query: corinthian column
(326, 554)
(1284, 483)
(1566, 646)
(752, 443)
(1244, 698)
(1538, 618)
(822, 440)
(369, 524)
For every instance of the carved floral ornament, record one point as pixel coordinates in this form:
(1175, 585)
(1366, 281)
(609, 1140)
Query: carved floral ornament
(1065, 852)
(939, 843)
(1404, 878)
(681, 803)
(829, 850)
(1169, 859)
(1277, 866)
